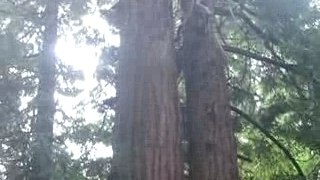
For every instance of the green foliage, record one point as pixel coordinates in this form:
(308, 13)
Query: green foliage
(284, 100)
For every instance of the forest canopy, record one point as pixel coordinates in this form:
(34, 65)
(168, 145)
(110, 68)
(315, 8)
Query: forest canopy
(159, 89)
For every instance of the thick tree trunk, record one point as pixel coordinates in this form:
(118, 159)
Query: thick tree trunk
(42, 164)
(146, 137)
(212, 141)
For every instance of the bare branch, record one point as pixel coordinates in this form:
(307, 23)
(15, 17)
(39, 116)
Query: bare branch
(247, 53)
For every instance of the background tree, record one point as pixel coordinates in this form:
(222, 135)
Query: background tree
(20, 26)
(42, 160)
(266, 83)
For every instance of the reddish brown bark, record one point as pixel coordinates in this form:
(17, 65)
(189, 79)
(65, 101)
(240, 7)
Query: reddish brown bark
(146, 137)
(212, 141)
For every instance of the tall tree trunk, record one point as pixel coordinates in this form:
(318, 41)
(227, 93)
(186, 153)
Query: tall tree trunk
(147, 145)
(42, 163)
(212, 141)
(13, 171)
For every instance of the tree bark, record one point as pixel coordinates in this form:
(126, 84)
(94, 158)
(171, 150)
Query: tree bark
(146, 133)
(42, 163)
(212, 142)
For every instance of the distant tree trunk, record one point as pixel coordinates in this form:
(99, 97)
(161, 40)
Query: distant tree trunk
(13, 171)
(42, 163)
(146, 137)
(212, 141)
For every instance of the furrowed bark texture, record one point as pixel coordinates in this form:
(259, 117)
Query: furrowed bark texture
(42, 163)
(212, 141)
(146, 134)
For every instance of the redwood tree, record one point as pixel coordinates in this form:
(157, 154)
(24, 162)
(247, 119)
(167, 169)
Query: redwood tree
(146, 135)
(212, 142)
(42, 163)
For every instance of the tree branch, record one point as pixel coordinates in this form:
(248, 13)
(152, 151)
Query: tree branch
(244, 158)
(246, 19)
(257, 29)
(272, 138)
(255, 56)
